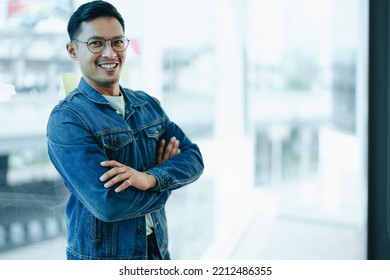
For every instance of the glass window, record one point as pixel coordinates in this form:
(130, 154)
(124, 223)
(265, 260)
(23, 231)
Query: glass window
(272, 92)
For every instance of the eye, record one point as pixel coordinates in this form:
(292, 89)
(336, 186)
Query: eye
(118, 42)
(95, 43)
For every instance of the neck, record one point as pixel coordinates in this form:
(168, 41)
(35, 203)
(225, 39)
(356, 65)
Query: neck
(109, 89)
(109, 92)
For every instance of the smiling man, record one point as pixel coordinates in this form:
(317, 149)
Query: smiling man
(117, 151)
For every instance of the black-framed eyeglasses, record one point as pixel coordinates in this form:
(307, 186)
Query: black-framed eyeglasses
(98, 44)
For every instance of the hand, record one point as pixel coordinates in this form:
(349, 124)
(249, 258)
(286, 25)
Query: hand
(167, 151)
(127, 175)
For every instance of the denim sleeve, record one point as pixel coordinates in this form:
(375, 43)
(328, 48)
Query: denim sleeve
(76, 155)
(181, 169)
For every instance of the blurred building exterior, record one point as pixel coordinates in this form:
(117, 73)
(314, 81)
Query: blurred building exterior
(273, 92)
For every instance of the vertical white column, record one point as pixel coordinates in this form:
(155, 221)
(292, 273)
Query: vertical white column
(362, 108)
(233, 173)
(152, 50)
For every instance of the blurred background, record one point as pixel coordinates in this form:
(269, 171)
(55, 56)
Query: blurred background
(273, 92)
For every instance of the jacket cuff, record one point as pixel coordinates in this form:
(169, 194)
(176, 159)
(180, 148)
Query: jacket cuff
(163, 180)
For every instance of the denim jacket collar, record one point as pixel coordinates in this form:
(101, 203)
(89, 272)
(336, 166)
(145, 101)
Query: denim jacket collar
(89, 92)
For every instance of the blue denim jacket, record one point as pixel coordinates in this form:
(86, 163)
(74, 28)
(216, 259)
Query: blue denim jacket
(84, 130)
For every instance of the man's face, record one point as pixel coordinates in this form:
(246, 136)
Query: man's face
(101, 70)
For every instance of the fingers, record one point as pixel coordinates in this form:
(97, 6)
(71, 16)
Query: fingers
(119, 173)
(169, 148)
(123, 186)
(123, 177)
(116, 169)
(167, 151)
(111, 163)
(160, 151)
(116, 176)
(175, 150)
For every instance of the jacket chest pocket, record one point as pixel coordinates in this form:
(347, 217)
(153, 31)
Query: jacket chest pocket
(154, 132)
(116, 145)
(153, 135)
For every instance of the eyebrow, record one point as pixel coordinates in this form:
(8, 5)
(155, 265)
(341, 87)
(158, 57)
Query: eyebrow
(100, 37)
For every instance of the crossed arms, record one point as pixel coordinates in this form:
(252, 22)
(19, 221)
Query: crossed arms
(127, 176)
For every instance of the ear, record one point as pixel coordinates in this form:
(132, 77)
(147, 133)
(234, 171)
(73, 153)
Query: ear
(70, 48)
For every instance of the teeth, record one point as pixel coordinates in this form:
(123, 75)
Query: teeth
(108, 66)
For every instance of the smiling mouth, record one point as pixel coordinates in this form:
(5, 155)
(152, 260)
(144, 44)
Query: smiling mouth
(108, 66)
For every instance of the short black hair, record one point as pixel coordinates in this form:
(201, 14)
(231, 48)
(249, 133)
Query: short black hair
(90, 11)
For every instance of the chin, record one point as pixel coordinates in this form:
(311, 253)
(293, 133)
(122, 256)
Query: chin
(110, 80)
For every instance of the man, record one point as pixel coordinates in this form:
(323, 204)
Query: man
(116, 150)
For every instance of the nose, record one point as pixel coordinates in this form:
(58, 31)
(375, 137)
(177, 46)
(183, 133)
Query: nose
(108, 50)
